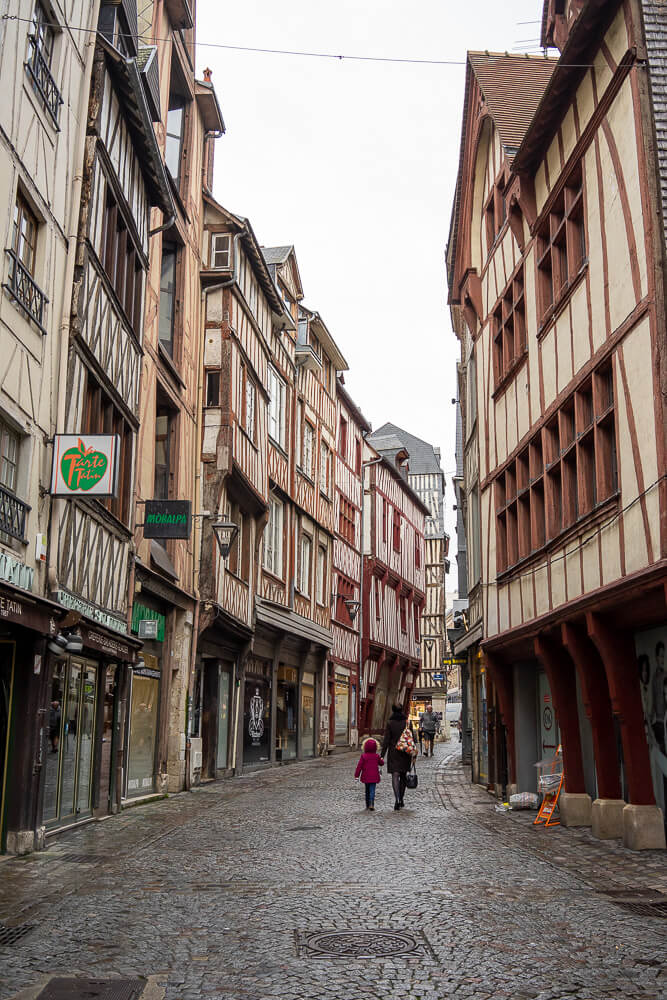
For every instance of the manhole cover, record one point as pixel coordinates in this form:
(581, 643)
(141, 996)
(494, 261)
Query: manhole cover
(10, 935)
(293, 829)
(361, 943)
(92, 989)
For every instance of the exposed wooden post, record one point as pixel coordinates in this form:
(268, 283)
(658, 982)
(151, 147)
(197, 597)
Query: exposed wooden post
(562, 680)
(618, 655)
(595, 694)
(501, 675)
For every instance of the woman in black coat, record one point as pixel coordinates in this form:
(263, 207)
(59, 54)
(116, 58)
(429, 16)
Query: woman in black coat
(398, 762)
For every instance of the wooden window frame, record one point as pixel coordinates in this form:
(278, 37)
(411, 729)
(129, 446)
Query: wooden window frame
(321, 576)
(342, 438)
(272, 554)
(561, 246)
(396, 530)
(509, 331)
(305, 566)
(102, 416)
(325, 469)
(565, 472)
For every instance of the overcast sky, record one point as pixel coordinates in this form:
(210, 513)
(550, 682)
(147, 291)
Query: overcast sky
(355, 164)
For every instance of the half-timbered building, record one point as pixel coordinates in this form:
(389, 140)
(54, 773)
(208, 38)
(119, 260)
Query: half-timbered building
(346, 581)
(45, 71)
(98, 393)
(393, 591)
(293, 622)
(427, 479)
(241, 305)
(556, 264)
(168, 452)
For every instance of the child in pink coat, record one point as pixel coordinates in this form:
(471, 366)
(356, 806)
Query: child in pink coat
(368, 769)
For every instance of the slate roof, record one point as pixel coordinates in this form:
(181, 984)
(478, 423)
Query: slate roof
(655, 27)
(513, 87)
(423, 459)
(276, 255)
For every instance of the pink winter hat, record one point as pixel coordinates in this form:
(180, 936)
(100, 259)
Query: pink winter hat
(370, 746)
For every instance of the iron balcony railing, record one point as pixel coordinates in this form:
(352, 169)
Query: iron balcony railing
(38, 68)
(13, 513)
(27, 293)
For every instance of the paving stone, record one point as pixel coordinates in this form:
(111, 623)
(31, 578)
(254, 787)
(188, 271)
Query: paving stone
(207, 891)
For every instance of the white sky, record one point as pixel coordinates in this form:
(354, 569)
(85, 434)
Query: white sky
(355, 164)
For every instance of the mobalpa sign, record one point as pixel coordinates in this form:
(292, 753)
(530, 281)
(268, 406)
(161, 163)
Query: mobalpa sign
(85, 465)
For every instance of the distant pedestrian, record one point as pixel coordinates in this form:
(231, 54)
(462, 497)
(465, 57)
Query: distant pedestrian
(430, 723)
(398, 761)
(368, 770)
(55, 715)
(420, 734)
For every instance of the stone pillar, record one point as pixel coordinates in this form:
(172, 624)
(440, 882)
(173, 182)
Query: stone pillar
(607, 812)
(643, 826)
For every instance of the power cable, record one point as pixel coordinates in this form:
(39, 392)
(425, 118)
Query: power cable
(297, 53)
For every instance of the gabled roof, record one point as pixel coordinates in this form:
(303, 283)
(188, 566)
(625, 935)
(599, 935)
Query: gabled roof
(423, 459)
(276, 255)
(512, 87)
(324, 336)
(655, 26)
(252, 249)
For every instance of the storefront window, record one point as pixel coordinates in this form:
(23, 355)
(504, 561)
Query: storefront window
(257, 714)
(143, 728)
(71, 735)
(380, 701)
(223, 717)
(286, 713)
(308, 715)
(342, 714)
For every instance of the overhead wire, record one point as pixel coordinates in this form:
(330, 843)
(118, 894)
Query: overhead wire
(299, 53)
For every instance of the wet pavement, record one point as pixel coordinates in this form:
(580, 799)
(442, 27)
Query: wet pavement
(276, 884)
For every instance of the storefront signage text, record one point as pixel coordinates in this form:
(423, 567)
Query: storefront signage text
(86, 465)
(454, 661)
(167, 519)
(107, 644)
(15, 572)
(99, 616)
(13, 609)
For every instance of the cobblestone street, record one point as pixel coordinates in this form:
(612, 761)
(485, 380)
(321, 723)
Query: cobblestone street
(213, 895)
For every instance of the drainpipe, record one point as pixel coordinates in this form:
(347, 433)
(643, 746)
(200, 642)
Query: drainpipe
(364, 466)
(165, 225)
(197, 500)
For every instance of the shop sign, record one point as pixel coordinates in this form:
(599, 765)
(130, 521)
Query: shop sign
(454, 661)
(167, 519)
(438, 677)
(90, 611)
(148, 628)
(151, 667)
(109, 645)
(15, 572)
(14, 609)
(86, 465)
(140, 613)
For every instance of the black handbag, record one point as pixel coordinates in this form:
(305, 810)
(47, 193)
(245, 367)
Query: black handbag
(411, 779)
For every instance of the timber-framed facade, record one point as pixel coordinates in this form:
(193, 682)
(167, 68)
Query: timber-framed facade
(555, 266)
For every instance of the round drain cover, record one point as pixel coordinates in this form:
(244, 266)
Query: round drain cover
(363, 944)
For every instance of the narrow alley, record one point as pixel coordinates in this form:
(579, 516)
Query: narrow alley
(273, 885)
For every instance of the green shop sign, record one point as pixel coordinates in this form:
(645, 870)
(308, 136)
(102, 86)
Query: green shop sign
(140, 612)
(167, 519)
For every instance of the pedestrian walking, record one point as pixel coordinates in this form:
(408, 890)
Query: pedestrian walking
(430, 723)
(399, 762)
(368, 770)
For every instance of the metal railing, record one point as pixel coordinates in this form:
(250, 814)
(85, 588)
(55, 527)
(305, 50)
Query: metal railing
(25, 290)
(39, 70)
(13, 513)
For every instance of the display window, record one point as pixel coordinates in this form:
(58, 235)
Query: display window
(257, 714)
(143, 730)
(286, 712)
(308, 715)
(342, 709)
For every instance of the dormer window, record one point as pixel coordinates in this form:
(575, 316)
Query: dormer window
(220, 250)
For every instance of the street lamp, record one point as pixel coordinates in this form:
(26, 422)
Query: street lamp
(225, 535)
(352, 608)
